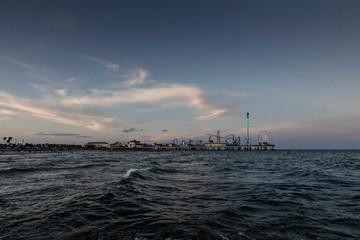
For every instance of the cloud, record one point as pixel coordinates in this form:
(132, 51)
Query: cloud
(61, 92)
(70, 80)
(39, 87)
(61, 135)
(49, 109)
(166, 95)
(81, 108)
(109, 65)
(132, 130)
(7, 112)
(134, 77)
(20, 64)
(32, 71)
(137, 77)
(129, 130)
(214, 114)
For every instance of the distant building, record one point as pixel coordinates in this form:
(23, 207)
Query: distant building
(133, 143)
(117, 145)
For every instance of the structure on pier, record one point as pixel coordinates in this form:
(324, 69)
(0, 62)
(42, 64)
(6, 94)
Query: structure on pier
(265, 137)
(206, 147)
(216, 142)
(247, 130)
(231, 142)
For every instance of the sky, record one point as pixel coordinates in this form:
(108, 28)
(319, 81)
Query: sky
(81, 71)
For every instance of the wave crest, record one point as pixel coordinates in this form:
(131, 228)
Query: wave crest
(132, 170)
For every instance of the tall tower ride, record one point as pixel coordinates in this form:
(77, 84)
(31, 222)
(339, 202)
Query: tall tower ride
(247, 129)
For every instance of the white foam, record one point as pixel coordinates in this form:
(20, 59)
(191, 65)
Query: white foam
(131, 170)
(243, 234)
(223, 237)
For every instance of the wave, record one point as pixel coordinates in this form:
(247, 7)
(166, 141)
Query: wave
(175, 233)
(133, 170)
(12, 170)
(164, 170)
(202, 195)
(17, 170)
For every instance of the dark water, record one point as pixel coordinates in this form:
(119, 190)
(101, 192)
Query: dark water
(181, 195)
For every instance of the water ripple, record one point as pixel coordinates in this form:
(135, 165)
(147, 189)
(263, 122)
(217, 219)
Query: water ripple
(181, 195)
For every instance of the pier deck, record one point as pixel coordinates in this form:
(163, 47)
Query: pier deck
(202, 148)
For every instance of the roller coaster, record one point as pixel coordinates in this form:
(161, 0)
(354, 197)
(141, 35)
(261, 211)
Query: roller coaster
(231, 139)
(191, 143)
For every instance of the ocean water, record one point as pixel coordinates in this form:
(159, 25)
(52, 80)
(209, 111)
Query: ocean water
(181, 195)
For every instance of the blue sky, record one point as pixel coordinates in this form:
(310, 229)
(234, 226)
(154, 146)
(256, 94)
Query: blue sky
(79, 71)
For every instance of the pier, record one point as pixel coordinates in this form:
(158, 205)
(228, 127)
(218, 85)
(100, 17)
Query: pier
(200, 148)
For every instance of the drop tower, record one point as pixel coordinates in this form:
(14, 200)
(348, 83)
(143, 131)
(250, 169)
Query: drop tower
(247, 129)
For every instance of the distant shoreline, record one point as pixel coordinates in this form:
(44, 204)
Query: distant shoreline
(27, 152)
(37, 151)
(7, 152)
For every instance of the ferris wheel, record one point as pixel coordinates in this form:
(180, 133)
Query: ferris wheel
(265, 137)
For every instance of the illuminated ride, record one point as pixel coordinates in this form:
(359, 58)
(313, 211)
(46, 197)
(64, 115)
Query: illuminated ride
(189, 143)
(231, 139)
(264, 137)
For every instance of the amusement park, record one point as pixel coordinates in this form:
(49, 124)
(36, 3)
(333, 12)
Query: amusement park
(214, 142)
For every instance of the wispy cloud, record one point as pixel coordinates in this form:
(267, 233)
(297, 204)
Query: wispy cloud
(49, 109)
(137, 77)
(169, 95)
(109, 65)
(214, 114)
(61, 92)
(131, 130)
(32, 71)
(76, 135)
(38, 87)
(20, 64)
(133, 77)
(5, 114)
(80, 107)
(70, 79)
